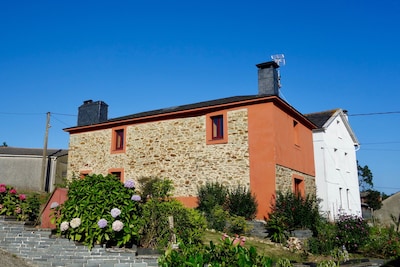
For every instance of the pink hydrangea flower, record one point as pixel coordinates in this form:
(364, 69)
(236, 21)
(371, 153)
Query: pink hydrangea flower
(18, 210)
(22, 197)
(13, 191)
(3, 189)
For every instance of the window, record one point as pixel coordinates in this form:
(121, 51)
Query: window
(217, 128)
(118, 140)
(296, 132)
(118, 172)
(298, 186)
(83, 174)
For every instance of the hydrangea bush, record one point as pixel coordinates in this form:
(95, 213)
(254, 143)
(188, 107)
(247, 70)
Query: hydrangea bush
(12, 203)
(100, 210)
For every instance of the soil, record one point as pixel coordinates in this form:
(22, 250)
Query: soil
(10, 260)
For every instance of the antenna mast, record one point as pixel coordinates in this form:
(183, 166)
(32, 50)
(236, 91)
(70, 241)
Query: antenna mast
(280, 60)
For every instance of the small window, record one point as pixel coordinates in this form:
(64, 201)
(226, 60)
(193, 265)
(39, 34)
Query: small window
(296, 132)
(217, 127)
(118, 140)
(83, 174)
(298, 186)
(117, 172)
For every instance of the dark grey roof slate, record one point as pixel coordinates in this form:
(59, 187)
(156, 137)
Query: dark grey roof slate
(320, 118)
(190, 106)
(31, 151)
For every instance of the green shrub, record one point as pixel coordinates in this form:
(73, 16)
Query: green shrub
(228, 252)
(241, 202)
(100, 210)
(324, 241)
(211, 195)
(189, 224)
(352, 232)
(237, 225)
(155, 187)
(217, 218)
(383, 243)
(296, 212)
(276, 227)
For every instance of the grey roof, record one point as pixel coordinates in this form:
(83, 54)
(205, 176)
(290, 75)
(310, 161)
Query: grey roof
(209, 103)
(31, 151)
(320, 118)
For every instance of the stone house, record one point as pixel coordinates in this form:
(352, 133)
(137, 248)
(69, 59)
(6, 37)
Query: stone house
(22, 168)
(259, 141)
(336, 174)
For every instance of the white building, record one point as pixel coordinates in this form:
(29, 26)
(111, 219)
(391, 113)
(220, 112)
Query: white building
(336, 173)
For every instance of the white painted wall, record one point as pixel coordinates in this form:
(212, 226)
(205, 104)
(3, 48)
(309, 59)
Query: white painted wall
(336, 168)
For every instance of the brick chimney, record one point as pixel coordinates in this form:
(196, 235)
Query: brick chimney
(92, 112)
(268, 78)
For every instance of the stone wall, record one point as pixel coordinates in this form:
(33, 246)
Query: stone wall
(175, 149)
(284, 180)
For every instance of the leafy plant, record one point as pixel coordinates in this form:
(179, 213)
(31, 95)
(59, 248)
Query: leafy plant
(156, 231)
(383, 243)
(352, 232)
(241, 202)
(155, 187)
(211, 195)
(12, 203)
(324, 240)
(276, 227)
(296, 211)
(100, 210)
(228, 252)
(237, 225)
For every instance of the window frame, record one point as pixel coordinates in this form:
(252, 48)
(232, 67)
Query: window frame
(221, 136)
(117, 170)
(298, 185)
(116, 136)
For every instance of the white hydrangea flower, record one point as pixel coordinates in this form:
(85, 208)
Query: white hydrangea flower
(75, 222)
(117, 226)
(64, 226)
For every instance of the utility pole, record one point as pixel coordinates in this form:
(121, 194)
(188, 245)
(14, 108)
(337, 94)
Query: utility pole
(46, 137)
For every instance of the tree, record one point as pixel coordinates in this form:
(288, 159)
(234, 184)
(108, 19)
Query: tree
(4, 144)
(364, 177)
(374, 199)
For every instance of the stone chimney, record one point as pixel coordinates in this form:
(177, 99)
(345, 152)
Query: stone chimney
(268, 78)
(92, 112)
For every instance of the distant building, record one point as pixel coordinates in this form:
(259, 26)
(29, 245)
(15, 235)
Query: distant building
(22, 168)
(335, 146)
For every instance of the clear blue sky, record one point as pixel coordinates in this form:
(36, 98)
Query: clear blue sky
(143, 55)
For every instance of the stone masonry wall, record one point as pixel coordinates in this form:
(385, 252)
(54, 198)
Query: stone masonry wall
(284, 180)
(175, 149)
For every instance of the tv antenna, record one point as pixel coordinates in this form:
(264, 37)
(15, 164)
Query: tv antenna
(280, 60)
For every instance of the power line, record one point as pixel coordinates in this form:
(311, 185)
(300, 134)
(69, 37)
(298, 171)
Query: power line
(375, 113)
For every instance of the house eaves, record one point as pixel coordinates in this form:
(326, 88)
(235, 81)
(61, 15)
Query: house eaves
(323, 119)
(195, 109)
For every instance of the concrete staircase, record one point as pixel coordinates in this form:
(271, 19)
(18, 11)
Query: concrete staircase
(38, 248)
